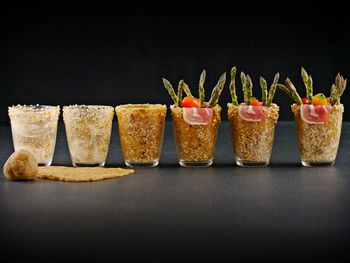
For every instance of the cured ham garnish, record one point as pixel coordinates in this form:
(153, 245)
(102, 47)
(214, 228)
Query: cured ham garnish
(252, 113)
(315, 114)
(197, 116)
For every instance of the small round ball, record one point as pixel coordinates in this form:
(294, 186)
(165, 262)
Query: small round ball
(21, 165)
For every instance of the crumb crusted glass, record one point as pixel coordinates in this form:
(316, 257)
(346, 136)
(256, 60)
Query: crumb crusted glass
(34, 128)
(88, 130)
(318, 143)
(252, 141)
(141, 128)
(195, 144)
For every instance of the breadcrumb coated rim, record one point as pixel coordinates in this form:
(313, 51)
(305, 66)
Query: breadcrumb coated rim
(88, 107)
(145, 106)
(34, 108)
(338, 107)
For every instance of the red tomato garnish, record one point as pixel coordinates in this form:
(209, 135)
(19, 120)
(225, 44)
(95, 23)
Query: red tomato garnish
(254, 102)
(304, 101)
(189, 102)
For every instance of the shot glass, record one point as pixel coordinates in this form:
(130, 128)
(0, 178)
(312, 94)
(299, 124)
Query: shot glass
(318, 143)
(252, 141)
(141, 128)
(195, 144)
(88, 130)
(34, 128)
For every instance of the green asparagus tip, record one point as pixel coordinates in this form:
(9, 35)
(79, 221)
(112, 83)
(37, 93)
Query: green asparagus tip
(233, 70)
(201, 87)
(303, 71)
(170, 90)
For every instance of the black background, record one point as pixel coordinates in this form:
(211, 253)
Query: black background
(53, 57)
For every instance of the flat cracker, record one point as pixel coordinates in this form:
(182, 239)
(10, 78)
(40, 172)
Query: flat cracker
(80, 174)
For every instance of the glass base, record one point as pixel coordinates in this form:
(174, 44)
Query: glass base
(244, 163)
(88, 165)
(196, 163)
(45, 164)
(135, 164)
(310, 164)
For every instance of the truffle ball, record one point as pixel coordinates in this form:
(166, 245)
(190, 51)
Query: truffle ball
(21, 165)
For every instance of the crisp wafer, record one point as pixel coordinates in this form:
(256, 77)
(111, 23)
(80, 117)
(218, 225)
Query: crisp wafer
(80, 174)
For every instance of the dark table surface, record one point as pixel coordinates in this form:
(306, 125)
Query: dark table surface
(284, 211)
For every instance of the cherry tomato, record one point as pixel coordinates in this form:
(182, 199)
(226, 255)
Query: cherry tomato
(255, 102)
(190, 102)
(304, 100)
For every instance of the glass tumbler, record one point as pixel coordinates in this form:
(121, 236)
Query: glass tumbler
(141, 128)
(252, 141)
(34, 128)
(195, 144)
(88, 130)
(318, 143)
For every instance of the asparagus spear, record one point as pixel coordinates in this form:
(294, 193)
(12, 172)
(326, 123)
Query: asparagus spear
(294, 96)
(310, 90)
(293, 91)
(334, 95)
(249, 87)
(342, 86)
(214, 99)
(180, 88)
(170, 90)
(243, 81)
(307, 79)
(285, 90)
(337, 89)
(233, 86)
(201, 87)
(187, 90)
(263, 85)
(338, 80)
(304, 76)
(272, 89)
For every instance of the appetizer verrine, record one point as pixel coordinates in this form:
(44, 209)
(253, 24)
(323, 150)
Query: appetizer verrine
(34, 128)
(195, 122)
(318, 120)
(252, 122)
(88, 130)
(141, 128)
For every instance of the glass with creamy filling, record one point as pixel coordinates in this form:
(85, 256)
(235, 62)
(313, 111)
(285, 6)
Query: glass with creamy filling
(141, 128)
(252, 133)
(34, 128)
(88, 130)
(318, 140)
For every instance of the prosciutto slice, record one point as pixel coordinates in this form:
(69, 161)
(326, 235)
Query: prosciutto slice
(315, 114)
(197, 116)
(252, 113)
